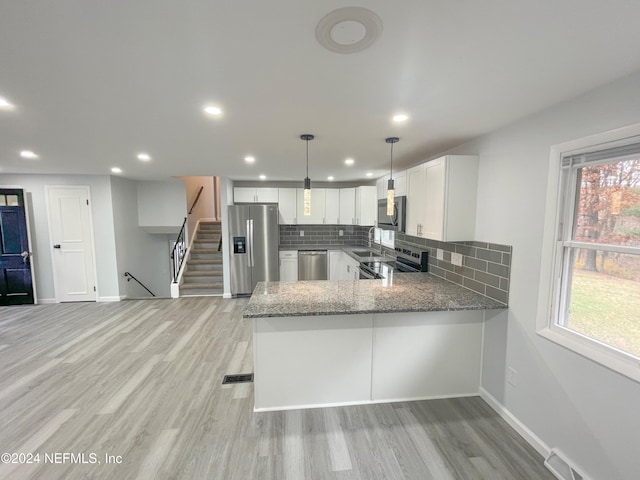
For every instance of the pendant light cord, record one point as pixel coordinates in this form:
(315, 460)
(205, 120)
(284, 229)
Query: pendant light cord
(308, 158)
(391, 166)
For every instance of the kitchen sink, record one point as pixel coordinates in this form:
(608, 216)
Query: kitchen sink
(365, 253)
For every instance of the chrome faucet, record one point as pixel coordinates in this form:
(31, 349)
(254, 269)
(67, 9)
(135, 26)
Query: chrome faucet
(369, 235)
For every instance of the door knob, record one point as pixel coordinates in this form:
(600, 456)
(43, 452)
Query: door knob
(24, 256)
(57, 245)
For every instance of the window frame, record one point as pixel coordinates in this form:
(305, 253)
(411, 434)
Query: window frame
(555, 266)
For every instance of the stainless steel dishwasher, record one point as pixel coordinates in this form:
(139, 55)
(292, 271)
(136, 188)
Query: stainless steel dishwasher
(312, 264)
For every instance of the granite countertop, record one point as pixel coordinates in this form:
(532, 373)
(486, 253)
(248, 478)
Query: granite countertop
(406, 292)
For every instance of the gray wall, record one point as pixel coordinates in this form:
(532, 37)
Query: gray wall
(161, 205)
(101, 211)
(586, 410)
(144, 255)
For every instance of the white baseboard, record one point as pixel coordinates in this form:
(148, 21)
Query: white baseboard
(116, 298)
(524, 431)
(227, 295)
(42, 301)
(362, 402)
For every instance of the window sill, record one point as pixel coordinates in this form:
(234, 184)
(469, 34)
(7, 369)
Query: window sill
(606, 356)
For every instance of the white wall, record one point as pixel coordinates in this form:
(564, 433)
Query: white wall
(226, 199)
(205, 208)
(587, 411)
(101, 211)
(161, 205)
(144, 255)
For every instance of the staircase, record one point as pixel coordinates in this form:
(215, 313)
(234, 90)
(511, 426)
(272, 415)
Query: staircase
(203, 273)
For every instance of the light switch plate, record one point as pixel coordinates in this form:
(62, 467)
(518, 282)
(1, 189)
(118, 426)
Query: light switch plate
(440, 254)
(302, 233)
(456, 259)
(512, 377)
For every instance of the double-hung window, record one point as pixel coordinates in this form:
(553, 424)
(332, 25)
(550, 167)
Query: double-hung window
(595, 294)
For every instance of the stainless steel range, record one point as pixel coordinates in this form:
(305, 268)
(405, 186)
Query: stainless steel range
(385, 269)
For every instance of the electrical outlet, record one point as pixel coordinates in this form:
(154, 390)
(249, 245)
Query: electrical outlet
(440, 254)
(302, 233)
(340, 233)
(456, 259)
(512, 377)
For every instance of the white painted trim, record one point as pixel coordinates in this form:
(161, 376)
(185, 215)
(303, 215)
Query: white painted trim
(531, 438)
(47, 188)
(363, 402)
(227, 295)
(116, 298)
(551, 270)
(43, 301)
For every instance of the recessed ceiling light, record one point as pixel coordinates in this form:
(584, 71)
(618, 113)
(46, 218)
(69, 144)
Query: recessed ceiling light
(212, 110)
(263, 177)
(330, 178)
(369, 174)
(116, 170)
(5, 104)
(144, 157)
(249, 159)
(28, 154)
(400, 117)
(349, 161)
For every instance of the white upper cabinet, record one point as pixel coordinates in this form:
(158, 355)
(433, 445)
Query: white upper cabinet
(399, 184)
(441, 198)
(287, 201)
(255, 195)
(358, 206)
(366, 206)
(317, 207)
(347, 206)
(415, 200)
(332, 206)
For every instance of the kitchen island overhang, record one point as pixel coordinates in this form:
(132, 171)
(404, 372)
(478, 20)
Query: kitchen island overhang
(329, 343)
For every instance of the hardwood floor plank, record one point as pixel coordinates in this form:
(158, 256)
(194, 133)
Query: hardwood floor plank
(157, 454)
(182, 343)
(338, 450)
(127, 389)
(151, 337)
(145, 384)
(34, 442)
(28, 378)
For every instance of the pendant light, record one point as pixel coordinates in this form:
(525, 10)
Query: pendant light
(390, 189)
(307, 181)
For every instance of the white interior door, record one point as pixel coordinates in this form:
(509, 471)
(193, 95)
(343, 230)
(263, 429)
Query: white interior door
(71, 244)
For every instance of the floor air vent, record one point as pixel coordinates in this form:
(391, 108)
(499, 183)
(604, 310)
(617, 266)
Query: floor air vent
(558, 464)
(238, 378)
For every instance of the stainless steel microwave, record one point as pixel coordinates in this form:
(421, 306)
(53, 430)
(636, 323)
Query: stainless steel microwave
(397, 221)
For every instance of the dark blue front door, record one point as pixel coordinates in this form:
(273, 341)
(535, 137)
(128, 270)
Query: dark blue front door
(16, 286)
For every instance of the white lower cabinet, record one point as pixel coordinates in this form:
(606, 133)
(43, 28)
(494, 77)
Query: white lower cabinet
(335, 264)
(289, 266)
(342, 266)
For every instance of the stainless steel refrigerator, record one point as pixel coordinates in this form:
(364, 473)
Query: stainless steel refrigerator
(254, 237)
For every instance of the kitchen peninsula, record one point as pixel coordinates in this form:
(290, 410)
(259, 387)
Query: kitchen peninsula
(320, 343)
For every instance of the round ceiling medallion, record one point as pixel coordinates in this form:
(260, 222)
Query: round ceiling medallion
(349, 30)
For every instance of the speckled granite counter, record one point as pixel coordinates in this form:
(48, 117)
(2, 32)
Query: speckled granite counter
(408, 292)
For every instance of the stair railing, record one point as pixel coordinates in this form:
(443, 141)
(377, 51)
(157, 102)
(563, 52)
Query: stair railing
(179, 251)
(131, 277)
(193, 205)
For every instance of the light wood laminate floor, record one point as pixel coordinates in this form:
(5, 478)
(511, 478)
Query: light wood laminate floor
(140, 381)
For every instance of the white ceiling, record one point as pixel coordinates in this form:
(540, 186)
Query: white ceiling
(95, 82)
